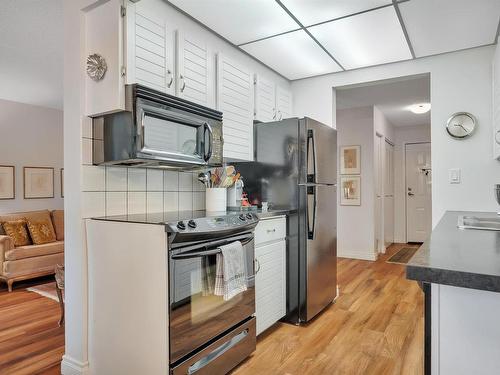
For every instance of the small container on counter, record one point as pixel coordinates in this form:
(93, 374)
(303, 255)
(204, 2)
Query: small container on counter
(216, 199)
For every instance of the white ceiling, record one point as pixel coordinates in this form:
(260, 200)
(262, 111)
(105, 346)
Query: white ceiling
(31, 52)
(391, 97)
(352, 33)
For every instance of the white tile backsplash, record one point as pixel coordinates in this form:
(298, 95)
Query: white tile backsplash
(154, 201)
(185, 181)
(171, 181)
(199, 200)
(154, 180)
(94, 204)
(93, 178)
(136, 202)
(171, 201)
(197, 185)
(86, 127)
(185, 201)
(116, 203)
(87, 151)
(116, 179)
(136, 179)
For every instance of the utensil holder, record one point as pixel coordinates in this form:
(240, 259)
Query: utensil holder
(216, 199)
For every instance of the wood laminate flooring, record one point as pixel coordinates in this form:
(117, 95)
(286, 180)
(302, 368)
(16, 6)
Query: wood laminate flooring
(375, 327)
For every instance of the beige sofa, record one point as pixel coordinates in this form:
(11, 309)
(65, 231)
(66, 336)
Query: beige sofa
(26, 262)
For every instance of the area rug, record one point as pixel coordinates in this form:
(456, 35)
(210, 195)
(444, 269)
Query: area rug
(46, 290)
(403, 256)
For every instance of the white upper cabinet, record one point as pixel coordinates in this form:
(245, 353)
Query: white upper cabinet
(149, 49)
(104, 36)
(195, 73)
(283, 103)
(496, 104)
(272, 102)
(235, 99)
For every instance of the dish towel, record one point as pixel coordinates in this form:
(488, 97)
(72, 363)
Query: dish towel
(230, 274)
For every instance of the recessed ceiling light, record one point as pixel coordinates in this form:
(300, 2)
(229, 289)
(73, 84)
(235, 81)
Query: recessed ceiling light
(420, 108)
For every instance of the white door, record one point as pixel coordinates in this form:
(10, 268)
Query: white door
(418, 192)
(265, 100)
(195, 71)
(389, 194)
(283, 103)
(379, 191)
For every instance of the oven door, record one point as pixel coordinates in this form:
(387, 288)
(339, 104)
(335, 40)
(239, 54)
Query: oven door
(197, 316)
(172, 135)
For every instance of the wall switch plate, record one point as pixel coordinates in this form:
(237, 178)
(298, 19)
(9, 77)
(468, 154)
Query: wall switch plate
(454, 176)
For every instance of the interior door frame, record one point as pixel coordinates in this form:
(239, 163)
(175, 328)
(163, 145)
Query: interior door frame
(406, 185)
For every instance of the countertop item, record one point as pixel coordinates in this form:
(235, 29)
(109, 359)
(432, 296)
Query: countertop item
(467, 258)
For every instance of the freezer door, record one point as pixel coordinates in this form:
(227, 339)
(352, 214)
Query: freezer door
(321, 249)
(319, 152)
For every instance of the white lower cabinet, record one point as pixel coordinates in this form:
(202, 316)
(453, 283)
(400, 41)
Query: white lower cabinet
(270, 278)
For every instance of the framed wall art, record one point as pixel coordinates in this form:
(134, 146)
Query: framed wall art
(350, 159)
(350, 190)
(7, 182)
(38, 182)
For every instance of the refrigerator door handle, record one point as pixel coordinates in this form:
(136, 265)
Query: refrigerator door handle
(311, 156)
(311, 221)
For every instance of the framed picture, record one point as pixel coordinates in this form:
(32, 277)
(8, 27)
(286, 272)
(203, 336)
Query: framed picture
(62, 182)
(350, 159)
(350, 193)
(38, 182)
(7, 182)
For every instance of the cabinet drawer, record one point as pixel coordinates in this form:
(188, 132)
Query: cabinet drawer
(270, 230)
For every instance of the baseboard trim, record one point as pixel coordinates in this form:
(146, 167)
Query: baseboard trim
(71, 366)
(357, 254)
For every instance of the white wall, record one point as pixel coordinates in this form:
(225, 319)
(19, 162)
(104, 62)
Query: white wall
(356, 232)
(32, 136)
(460, 81)
(403, 136)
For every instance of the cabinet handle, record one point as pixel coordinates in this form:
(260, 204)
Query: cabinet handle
(183, 83)
(497, 137)
(271, 230)
(281, 115)
(169, 84)
(257, 263)
(274, 113)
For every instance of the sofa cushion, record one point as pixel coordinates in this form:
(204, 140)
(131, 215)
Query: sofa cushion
(41, 231)
(18, 231)
(30, 251)
(31, 266)
(58, 222)
(23, 215)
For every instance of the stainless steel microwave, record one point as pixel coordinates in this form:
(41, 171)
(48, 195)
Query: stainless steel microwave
(158, 130)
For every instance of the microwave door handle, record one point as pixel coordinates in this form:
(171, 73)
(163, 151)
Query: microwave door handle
(207, 155)
(141, 135)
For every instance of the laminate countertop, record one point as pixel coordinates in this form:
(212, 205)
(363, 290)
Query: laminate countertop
(466, 258)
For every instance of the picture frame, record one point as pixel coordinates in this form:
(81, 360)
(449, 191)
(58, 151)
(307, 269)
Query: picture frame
(350, 160)
(350, 190)
(61, 174)
(7, 182)
(38, 182)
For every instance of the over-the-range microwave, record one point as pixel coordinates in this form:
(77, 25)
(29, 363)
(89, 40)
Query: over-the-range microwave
(158, 130)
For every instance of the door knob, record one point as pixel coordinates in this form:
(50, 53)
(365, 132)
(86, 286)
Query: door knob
(410, 194)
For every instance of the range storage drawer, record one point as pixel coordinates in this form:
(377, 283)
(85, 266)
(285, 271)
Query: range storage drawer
(223, 355)
(271, 229)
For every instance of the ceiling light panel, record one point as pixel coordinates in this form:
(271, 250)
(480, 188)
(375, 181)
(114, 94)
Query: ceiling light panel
(314, 11)
(366, 39)
(450, 25)
(295, 55)
(239, 21)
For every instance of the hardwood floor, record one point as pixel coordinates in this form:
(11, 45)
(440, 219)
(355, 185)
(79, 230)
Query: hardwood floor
(375, 327)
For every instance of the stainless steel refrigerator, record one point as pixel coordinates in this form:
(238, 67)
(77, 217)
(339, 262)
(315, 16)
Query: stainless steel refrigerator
(295, 168)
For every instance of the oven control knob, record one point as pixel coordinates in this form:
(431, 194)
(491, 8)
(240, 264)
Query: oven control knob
(192, 224)
(181, 225)
(249, 216)
(242, 217)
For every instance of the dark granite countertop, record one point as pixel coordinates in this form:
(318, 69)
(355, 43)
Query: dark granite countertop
(466, 258)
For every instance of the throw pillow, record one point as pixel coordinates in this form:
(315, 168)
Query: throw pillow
(41, 231)
(18, 232)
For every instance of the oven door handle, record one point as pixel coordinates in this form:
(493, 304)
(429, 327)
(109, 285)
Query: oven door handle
(206, 251)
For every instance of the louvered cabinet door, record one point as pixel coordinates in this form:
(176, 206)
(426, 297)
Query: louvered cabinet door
(283, 103)
(149, 49)
(235, 100)
(265, 100)
(195, 75)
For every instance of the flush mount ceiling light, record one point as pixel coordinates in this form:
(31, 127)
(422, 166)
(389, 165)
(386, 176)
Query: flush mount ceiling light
(420, 108)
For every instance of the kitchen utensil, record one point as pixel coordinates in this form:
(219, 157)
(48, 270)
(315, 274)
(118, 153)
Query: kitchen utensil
(203, 178)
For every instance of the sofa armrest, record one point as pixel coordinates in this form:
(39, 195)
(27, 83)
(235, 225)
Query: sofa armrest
(6, 243)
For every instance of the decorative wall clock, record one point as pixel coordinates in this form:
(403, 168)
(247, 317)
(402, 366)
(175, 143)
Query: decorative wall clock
(461, 125)
(96, 66)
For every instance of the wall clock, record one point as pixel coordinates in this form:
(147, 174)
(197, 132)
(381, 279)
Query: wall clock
(461, 125)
